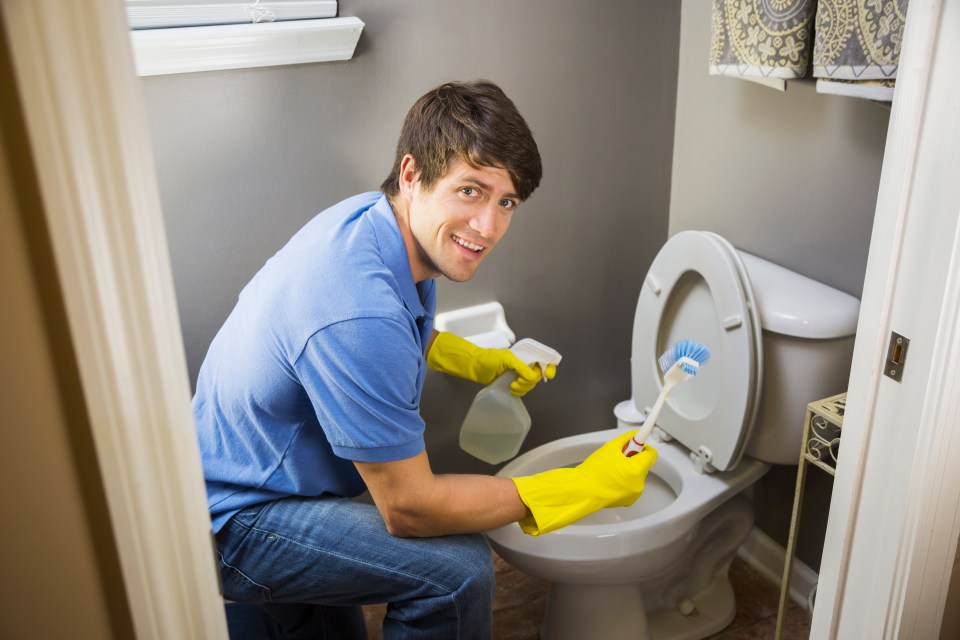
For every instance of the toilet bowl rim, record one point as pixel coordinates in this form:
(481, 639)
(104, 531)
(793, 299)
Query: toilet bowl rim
(695, 492)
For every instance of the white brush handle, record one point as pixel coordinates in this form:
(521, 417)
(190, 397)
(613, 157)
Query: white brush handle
(674, 376)
(635, 444)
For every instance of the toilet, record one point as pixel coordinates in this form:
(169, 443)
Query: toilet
(658, 569)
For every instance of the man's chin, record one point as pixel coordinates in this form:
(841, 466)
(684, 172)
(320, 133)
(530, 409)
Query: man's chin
(458, 278)
(459, 275)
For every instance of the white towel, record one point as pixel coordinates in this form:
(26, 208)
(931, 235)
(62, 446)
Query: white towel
(878, 90)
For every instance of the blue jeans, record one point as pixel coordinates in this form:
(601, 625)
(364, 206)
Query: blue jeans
(309, 563)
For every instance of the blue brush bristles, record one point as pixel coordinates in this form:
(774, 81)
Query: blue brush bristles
(691, 349)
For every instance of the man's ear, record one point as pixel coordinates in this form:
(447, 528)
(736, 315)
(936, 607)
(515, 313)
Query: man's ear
(408, 175)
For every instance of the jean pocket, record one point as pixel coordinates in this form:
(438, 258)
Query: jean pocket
(239, 587)
(249, 516)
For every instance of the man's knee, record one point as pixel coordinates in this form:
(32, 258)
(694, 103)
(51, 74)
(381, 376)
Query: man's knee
(475, 566)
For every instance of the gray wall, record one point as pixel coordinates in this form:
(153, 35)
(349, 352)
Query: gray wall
(789, 176)
(246, 157)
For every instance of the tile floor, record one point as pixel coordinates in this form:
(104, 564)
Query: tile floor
(520, 602)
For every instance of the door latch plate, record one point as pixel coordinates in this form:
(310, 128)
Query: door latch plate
(896, 356)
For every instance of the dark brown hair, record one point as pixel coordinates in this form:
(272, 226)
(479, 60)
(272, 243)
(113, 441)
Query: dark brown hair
(470, 121)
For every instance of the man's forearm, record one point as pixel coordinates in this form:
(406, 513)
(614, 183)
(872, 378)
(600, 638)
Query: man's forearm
(415, 502)
(466, 503)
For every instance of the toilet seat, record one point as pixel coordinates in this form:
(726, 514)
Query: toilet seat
(695, 290)
(753, 309)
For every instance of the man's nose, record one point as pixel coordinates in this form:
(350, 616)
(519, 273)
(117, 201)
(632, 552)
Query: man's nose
(486, 222)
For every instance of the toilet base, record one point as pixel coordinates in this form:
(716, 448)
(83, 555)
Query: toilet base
(713, 610)
(577, 611)
(582, 611)
(573, 613)
(694, 600)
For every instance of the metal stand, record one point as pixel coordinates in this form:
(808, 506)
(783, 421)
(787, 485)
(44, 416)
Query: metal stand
(820, 447)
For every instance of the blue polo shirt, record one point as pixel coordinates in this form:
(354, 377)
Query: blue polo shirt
(320, 363)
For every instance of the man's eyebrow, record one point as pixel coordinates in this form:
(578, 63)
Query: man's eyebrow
(483, 185)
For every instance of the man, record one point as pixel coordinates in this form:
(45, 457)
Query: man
(310, 395)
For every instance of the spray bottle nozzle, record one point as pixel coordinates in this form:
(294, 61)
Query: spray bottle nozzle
(532, 352)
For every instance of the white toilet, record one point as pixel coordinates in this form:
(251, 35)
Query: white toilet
(658, 569)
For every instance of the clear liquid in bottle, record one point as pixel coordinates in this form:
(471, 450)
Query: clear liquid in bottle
(496, 423)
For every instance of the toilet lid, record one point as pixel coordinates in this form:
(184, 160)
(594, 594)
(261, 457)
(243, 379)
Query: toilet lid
(694, 290)
(753, 308)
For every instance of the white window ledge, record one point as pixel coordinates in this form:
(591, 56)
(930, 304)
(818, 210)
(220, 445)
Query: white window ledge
(163, 14)
(237, 46)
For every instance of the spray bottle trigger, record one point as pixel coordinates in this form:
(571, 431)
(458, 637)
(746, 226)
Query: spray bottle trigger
(532, 352)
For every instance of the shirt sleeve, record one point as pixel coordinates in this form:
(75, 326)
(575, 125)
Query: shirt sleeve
(362, 377)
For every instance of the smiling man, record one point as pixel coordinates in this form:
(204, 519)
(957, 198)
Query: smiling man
(310, 393)
(459, 219)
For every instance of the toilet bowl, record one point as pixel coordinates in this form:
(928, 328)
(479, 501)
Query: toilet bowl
(658, 569)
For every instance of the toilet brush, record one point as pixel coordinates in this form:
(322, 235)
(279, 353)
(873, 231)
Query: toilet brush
(681, 361)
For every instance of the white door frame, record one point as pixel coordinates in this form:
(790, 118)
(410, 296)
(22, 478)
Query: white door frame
(87, 127)
(893, 526)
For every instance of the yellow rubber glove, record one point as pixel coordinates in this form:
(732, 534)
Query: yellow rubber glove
(607, 478)
(453, 355)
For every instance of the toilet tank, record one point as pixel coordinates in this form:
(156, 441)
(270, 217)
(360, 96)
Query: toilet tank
(808, 333)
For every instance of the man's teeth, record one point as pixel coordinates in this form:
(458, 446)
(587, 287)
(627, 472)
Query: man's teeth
(469, 245)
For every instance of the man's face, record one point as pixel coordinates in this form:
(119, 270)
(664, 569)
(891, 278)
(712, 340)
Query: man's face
(457, 223)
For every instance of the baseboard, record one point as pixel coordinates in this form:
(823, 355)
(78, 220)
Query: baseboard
(767, 558)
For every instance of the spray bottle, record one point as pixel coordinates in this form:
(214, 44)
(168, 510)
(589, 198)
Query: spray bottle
(497, 421)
